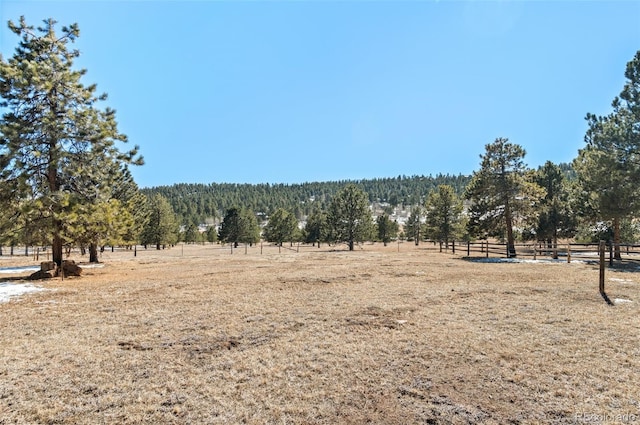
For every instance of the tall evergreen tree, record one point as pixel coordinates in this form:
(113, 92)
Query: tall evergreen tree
(349, 216)
(413, 228)
(191, 234)
(608, 167)
(212, 234)
(231, 227)
(239, 225)
(316, 228)
(162, 225)
(556, 218)
(444, 215)
(51, 123)
(282, 227)
(387, 228)
(104, 206)
(502, 192)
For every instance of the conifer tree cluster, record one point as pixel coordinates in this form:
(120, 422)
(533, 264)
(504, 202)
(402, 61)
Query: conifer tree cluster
(64, 178)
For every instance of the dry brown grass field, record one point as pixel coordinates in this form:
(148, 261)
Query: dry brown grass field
(197, 335)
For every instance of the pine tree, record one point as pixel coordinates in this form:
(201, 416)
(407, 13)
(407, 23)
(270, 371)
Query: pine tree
(349, 216)
(191, 234)
(282, 226)
(413, 228)
(444, 215)
(239, 225)
(556, 218)
(52, 131)
(212, 234)
(387, 228)
(608, 167)
(502, 192)
(231, 227)
(105, 206)
(162, 225)
(316, 229)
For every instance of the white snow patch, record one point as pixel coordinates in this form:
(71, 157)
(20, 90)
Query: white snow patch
(91, 266)
(9, 290)
(20, 269)
(615, 279)
(621, 301)
(522, 260)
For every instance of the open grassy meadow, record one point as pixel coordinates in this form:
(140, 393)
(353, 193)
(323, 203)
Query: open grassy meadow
(198, 335)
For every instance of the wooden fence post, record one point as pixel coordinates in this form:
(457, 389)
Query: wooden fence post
(487, 249)
(601, 249)
(468, 248)
(453, 247)
(602, 292)
(610, 254)
(568, 253)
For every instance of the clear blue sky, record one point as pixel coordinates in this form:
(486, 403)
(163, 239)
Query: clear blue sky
(297, 91)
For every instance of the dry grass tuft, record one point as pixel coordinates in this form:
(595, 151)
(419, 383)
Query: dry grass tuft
(320, 337)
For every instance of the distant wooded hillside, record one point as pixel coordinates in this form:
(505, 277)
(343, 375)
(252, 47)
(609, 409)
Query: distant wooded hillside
(201, 203)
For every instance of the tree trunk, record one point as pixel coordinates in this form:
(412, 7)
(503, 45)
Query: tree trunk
(93, 253)
(351, 245)
(555, 244)
(616, 239)
(54, 186)
(56, 246)
(158, 246)
(511, 246)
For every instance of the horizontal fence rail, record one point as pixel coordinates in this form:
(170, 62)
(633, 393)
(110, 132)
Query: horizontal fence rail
(563, 251)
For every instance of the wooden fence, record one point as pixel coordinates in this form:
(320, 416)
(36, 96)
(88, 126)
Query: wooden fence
(566, 251)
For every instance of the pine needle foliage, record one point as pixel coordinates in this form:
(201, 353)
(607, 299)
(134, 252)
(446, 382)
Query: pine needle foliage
(53, 135)
(502, 193)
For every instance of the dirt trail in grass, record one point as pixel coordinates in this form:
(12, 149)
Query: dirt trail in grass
(197, 335)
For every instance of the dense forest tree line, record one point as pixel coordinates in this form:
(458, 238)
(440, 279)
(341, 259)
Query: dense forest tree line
(199, 203)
